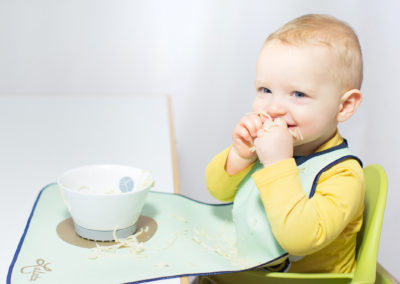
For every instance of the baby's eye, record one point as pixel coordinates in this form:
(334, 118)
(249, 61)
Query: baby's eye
(297, 94)
(265, 90)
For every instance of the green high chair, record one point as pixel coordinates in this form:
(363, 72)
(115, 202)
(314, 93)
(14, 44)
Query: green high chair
(367, 270)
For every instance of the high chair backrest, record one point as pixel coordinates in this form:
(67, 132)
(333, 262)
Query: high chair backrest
(368, 237)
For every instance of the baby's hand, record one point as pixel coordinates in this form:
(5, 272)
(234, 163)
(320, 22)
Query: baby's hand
(245, 133)
(274, 143)
(243, 137)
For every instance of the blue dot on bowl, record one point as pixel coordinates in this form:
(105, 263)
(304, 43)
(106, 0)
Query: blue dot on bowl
(126, 184)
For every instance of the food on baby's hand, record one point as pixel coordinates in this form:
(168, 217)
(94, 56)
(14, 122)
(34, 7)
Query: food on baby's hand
(269, 123)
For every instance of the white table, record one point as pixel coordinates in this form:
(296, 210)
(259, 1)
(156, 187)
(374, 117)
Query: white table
(43, 136)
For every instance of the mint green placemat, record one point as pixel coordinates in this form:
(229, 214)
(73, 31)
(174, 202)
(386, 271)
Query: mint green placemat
(190, 238)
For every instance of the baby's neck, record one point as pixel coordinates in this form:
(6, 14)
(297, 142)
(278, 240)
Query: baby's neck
(311, 147)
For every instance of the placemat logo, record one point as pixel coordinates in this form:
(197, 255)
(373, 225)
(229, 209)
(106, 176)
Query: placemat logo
(36, 270)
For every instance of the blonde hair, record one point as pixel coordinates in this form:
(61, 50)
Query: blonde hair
(335, 34)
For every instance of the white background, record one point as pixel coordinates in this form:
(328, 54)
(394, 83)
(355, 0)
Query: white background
(203, 54)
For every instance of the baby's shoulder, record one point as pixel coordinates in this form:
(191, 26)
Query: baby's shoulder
(347, 168)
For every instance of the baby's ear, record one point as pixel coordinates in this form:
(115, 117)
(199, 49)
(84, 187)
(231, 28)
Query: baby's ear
(349, 102)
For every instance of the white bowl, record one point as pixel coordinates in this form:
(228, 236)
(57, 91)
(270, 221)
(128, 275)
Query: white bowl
(105, 199)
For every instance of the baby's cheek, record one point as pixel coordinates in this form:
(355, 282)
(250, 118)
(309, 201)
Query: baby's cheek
(312, 127)
(259, 104)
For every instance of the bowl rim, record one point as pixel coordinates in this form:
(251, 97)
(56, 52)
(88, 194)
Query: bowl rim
(135, 191)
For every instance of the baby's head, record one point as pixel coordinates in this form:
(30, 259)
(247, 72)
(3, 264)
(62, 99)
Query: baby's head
(337, 36)
(309, 73)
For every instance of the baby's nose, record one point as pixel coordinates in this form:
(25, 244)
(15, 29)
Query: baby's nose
(276, 108)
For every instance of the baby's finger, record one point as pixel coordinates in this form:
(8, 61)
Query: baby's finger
(258, 123)
(243, 133)
(252, 123)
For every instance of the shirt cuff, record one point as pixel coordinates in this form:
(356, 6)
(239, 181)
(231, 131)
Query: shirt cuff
(274, 172)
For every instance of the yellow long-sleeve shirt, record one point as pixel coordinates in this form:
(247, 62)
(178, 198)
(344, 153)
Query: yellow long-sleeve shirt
(322, 228)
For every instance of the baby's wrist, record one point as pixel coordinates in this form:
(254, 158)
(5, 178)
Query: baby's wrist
(236, 163)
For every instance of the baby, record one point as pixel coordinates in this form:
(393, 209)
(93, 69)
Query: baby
(308, 79)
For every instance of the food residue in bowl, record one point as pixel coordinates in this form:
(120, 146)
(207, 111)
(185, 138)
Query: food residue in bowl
(87, 189)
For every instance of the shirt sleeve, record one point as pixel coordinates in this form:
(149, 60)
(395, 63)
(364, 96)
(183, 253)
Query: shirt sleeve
(305, 225)
(220, 184)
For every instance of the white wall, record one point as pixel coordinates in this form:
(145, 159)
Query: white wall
(203, 54)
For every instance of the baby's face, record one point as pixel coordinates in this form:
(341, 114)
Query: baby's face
(296, 83)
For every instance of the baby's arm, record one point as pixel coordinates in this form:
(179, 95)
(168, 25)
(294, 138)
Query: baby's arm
(225, 172)
(302, 225)
(220, 184)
